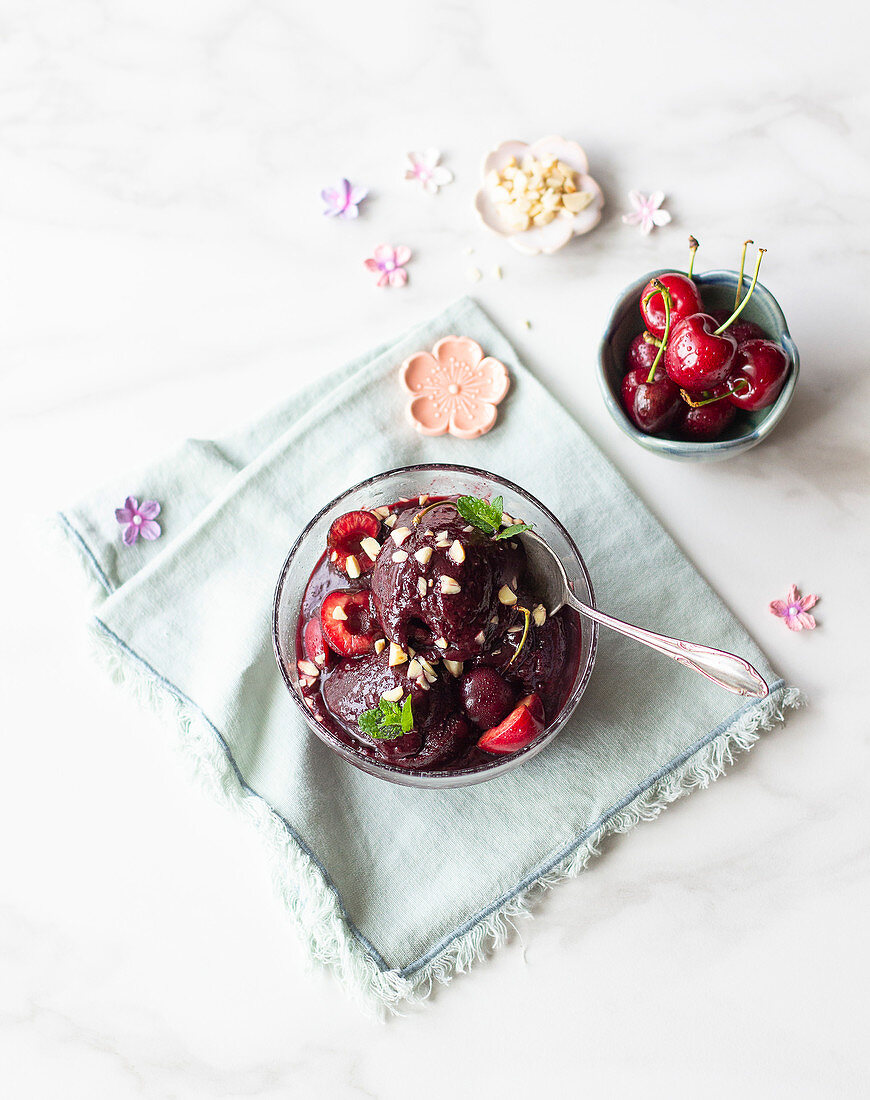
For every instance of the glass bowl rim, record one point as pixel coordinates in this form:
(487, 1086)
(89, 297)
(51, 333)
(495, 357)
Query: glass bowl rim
(497, 767)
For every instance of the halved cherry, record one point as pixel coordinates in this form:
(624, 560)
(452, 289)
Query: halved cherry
(521, 727)
(345, 541)
(314, 644)
(349, 625)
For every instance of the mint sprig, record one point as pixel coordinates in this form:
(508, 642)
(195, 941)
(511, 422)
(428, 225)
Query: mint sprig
(487, 517)
(388, 720)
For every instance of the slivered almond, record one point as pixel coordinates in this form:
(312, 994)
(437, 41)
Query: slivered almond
(453, 667)
(390, 521)
(427, 665)
(441, 643)
(449, 587)
(399, 556)
(507, 596)
(415, 669)
(429, 677)
(442, 535)
(383, 511)
(400, 534)
(421, 682)
(421, 586)
(423, 555)
(338, 612)
(351, 567)
(333, 556)
(540, 615)
(456, 553)
(480, 638)
(394, 694)
(424, 499)
(371, 546)
(380, 645)
(397, 655)
(308, 668)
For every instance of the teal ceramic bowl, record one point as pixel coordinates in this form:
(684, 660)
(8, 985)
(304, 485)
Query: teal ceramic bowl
(717, 291)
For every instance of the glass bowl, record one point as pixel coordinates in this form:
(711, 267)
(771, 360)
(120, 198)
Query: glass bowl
(402, 484)
(717, 289)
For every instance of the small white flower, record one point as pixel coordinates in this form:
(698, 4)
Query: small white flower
(425, 168)
(646, 211)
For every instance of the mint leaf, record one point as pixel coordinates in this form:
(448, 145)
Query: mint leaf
(483, 515)
(388, 720)
(517, 529)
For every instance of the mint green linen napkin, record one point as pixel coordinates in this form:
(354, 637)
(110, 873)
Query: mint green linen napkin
(397, 887)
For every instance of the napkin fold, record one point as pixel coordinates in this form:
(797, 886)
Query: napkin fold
(395, 887)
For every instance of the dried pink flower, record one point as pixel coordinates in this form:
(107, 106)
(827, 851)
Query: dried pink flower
(646, 211)
(425, 168)
(138, 520)
(793, 609)
(389, 263)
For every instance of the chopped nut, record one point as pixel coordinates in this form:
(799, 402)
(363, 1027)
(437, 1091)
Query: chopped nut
(468, 528)
(383, 511)
(539, 614)
(400, 534)
(430, 678)
(390, 521)
(397, 655)
(320, 659)
(308, 668)
(453, 667)
(441, 643)
(427, 666)
(442, 535)
(394, 694)
(333, 556)
(338, 612)
(449, 587)
(480, 637)
(421, 586)
(421, 683)
(506, 520)
(380, 645)
(399, 556)
(494, 619)
(352, 567)
(507, 596)
(307, 681)
(415, 669)
(423, 499)
(456, 553)
(411, 651)
(427, 534)
(423, 555)
(474, 274)
(497, 271)
(576, 202)
(371, 546)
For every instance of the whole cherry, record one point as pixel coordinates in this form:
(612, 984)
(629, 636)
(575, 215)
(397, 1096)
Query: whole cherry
(760, 370)
(701, 354)
(685, 298)
(652, 406)
(641, 353)
(704, 423)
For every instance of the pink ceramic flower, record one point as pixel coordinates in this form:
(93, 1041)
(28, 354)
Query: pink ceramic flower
(138, 520)
(793, 609)
(390, 263)
(646, 211)
(425, 168)
(454, 388)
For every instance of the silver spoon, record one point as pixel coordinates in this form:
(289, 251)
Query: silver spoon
(553, 590)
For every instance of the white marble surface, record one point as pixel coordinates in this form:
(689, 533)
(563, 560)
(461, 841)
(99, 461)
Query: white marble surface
(165, 270)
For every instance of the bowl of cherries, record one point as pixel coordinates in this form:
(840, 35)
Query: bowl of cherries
(698, 367)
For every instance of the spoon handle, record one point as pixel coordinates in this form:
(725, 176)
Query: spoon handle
(726, 669)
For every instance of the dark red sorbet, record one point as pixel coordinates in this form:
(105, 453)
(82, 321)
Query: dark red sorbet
(447, 616)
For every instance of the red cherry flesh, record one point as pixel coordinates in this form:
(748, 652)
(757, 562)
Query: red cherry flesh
(314, 644)
(345, 538)
(521, 727)
(355, 634)
(685, 300)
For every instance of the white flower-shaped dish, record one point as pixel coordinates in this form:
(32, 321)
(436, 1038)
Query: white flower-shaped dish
(546, 238)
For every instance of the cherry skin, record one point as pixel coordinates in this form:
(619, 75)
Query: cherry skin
(741, 330)
(764, 365)
(640, 354)
(685, 300)
(696, 358)
(486, 696)
(706, 423)
(652, 406)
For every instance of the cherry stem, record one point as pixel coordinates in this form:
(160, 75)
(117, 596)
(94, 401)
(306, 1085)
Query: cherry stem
(742, 382)
(666, 298)
(742, 305)
(693, 248)
(528, 616)
(429, 508)
(740, 276)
